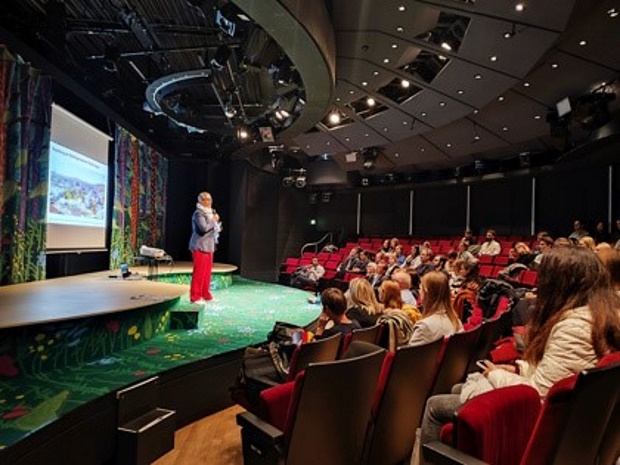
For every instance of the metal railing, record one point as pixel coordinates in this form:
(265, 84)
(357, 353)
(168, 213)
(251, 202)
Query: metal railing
(328, 238)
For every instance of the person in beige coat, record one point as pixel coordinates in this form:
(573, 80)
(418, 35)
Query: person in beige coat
(575, 323)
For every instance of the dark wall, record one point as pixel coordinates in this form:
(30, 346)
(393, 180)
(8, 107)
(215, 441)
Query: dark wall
(385, 213)
(563, 196)
(439, 210)
(339, 215)
(504, 205)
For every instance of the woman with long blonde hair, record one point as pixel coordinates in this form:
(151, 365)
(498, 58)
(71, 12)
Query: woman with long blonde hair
(438, 316)
(365, 308)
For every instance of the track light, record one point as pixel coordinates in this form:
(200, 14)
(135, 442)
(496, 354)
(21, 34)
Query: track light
(334, 117)
(222, 54)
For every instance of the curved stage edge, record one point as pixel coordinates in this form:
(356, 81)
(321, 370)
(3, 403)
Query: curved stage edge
(194, 374)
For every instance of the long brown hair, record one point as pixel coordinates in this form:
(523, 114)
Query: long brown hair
(437, 296)
(569, 278)
(390, 295)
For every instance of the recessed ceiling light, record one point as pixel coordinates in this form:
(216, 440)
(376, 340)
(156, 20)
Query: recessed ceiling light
(442, 58)
(327, 142)
(423, 113)
(505, 128)
(364, 83)
(583, 42)
(334, 117)
(337, 99)
(351, 92)
(508, 35)
(405, 84)
(307, 146)
(401, 8)
(612, 13)
(476, 137)
(347, 139)
(501, 98)
(366, 135)
(442, 104)
(526, 84)
(460, 91)
(386, 60)
(375, 73)
(385, 129)
(476, 111)
(422, 149)
(394, 45)
(537, 116)
(399, 29)
(370, 102)
(493, 58)
(405, 123)
(520, 6)
(554, 65)
(448, 145)
(446, 46)
(478, 76)
(397, 155)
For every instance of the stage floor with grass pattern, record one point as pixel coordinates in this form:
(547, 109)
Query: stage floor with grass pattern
(241, 315)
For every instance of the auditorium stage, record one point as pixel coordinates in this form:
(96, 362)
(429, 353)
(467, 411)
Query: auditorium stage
(66, 342)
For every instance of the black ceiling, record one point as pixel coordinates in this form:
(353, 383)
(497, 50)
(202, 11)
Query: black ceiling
(482, 76)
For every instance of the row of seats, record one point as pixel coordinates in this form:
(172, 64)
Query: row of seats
(360, 410)
(526, 278)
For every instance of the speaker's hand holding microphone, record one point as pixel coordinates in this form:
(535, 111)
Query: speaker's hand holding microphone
(216, 217)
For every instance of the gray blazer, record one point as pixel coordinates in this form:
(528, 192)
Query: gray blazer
(203, 233)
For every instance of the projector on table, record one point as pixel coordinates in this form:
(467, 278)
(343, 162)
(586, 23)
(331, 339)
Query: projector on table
(152, 252)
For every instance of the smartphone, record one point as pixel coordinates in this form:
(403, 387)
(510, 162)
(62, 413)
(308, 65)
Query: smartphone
(297, 337)
(124, 270)
(481, 364)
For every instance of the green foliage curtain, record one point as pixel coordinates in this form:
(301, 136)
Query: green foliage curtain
(25, 112)
(139, 198)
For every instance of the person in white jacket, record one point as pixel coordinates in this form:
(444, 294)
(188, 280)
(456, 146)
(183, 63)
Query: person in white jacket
(575, 323)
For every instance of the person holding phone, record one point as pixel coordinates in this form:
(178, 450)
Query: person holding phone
(575, 322)
(206, 227)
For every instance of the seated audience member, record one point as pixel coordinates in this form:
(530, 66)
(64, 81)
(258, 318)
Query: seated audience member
(587, 242)
(403, 279)
(439, 262)
(490, 246)
(393, 243)
(463, 252)
(390, 297)
(414, 252)
(615, 233)
(398, 317)
(348, 263)
(450, 260)
(392, 265)
(438, 317)
(545, 244)
(426, 262)
(334, 310)
(467, 293)
(578, 232)
(610, 259)
(365, 308)
(562, 242)
(400, 256)
(575, 322)
(359, 265)
(469, 237)
(375, 275)
(522, 254)
(385, 247)
(600, 232)
(309, 275)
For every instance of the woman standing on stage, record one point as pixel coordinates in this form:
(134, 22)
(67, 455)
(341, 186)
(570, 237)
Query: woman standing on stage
(205, 229)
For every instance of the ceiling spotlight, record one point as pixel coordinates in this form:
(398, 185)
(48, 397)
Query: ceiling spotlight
(370, 156)
(326, 197)
(493, 58)
(365, 182)
(288, 181)
(278, 114)
(375, 73)
(285, 113)
(300, 180)
(442, 104)
(386, 60)
(394, 45)
(583, 42)
(537, 117)
(448, 145)
(612, 12)
(505, 128)
(404, 83)
(423, 114)
(554, 65)
(334, 117)
(460, 91)
(501, 98)
(520, 7)
(401, 8)
(222, 54)
(526, 84)
(399, 29)
(370, 102)
(478, 76)
(508, 35)
(243, 134)
(230, 111)
(476, 138)
(442, 58)
(446, 46)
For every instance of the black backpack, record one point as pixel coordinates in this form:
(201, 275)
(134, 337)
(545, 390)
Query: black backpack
(491, 291)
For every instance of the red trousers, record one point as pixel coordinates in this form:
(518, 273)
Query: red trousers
(201, 276)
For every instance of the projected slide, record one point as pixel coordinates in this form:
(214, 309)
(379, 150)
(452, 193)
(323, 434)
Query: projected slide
(77, 188)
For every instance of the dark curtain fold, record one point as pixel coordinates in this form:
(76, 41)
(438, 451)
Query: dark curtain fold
(25, 112)
(139, 198)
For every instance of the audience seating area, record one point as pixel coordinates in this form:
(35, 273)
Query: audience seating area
(490, 266)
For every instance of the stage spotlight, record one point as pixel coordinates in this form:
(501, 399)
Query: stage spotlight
(479, 166)
(243, 134)
(370, 156)
(525, 159)
(300, 181)
(334, 118)
(110, 57)
(313, 198)
(288, 181)
(370, 102)
(365, 182)
(326, 197)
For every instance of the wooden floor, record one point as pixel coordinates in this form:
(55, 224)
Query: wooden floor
(214, 440)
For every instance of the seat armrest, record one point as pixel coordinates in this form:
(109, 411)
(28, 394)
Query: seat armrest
(260, 429)
(439, 453)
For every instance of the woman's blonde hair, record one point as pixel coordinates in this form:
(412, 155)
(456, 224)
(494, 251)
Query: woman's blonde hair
(390, 295)
(437, 296)
(363, 296)
(587, 242)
